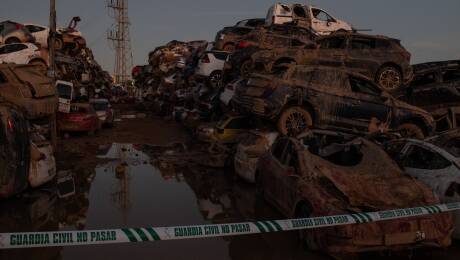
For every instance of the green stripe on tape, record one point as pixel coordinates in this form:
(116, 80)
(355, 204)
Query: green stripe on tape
(129, 234)
(368, 217)
(277, 226)
(141, 234)
(428, 209)
(153, 233)
(355, 218)
(438, 208)
(260, 227)
(268, 225)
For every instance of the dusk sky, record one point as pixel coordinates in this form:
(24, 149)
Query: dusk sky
(428, 29)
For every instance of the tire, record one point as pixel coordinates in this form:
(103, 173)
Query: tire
(215, 79)
(410, 130)
(58, 44)
(246, 69)
(306, 237)
(389, 78)
(42, 64)
(294, 121)
(228, 47)
(12, 40)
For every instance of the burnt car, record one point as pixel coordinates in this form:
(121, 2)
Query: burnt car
(303, 179)
(328, 98)
(436, 88)
(14, 151)
(380, 58)
(227, 38)
(240, 63)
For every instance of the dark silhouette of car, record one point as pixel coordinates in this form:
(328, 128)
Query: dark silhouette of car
(308, 177)
(328, 98)
(378, 57)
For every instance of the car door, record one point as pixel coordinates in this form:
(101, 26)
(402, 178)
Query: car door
(364, 102)
(430, 167)
(274, 169)
(332, 51)
(362, 56)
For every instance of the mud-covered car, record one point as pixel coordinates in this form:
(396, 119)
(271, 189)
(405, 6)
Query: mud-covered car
(14, 151)
(27, 87)
(328, 98)
(436, 88)
(302, 179)
(435, 162)
(13, 32)
(227, 38)
(378, 57)
(240, 62)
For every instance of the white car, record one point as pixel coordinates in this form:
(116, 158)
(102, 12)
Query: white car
(248, 153)
(211, 65)
(23, 53)
(40, 33)
(312, 17)
(435, 162)
(42, 161)
(229, 91)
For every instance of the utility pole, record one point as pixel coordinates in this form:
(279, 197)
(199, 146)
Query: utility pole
(52, 67)
(120, 38)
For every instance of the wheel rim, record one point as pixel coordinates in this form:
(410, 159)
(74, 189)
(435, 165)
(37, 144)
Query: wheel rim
(216, 80)
(296, 123)
(390, 79)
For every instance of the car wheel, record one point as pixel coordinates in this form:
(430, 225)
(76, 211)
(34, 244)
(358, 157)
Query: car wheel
(12, 40)
(246, 69)
(389, 78)
(229, 47)
(306, 236)
(42, 65)
(215, 79)
(58, 44)
(410, 130)
(294, 121)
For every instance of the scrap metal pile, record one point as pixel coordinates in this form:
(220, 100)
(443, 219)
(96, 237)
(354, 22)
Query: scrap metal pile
(314, 113)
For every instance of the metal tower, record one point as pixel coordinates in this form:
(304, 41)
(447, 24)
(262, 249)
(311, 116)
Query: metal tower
(119, 36)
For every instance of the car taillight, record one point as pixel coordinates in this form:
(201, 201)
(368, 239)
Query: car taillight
(205, 59)
(10, 124)
(19, 26)
(243, 44)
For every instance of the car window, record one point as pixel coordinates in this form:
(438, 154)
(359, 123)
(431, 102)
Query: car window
(333, 43)
(278, 149)
(449, 76)
(321, 15)
(2, 27)
(420, 158)
(362, 44)
(221, 55)
(364, 87)
(238, 123)
(299, 11)
(428, 78)
(34, 28)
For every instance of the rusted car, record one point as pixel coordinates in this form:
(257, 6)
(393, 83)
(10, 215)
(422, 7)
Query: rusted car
(240, 63)
(14, 151)
(27, 87)
(82, 118)
(303, 179)
(328, 98)
(436, 88)
(227, 38)
(378, 57)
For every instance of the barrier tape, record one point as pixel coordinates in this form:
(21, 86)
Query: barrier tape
(134, 235)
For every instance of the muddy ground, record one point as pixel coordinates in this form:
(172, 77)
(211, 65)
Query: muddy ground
(119, 185)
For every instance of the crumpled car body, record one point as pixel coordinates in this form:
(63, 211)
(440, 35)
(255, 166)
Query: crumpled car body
(42, 163)
(14, 151)
(302, 179)
(335, 99)
(435, 162)
(248, 152)
(380, 58)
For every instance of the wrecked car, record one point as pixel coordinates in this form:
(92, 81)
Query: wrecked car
(435, 162)
(436, 88)
(70, 38)
(328, 98)
(248, 152)
(303, 180)
(103, 110)
(210, 66)
(227, 38)
(307, 16)
(42, 161)
(14, 151)
(378, 57)
(13, 32)
(231, 128)
(82, 118)
(24, 53)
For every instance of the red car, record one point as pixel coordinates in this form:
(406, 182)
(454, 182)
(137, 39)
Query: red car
(82, 118)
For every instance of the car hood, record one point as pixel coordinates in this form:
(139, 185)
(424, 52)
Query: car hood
(377, 185)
